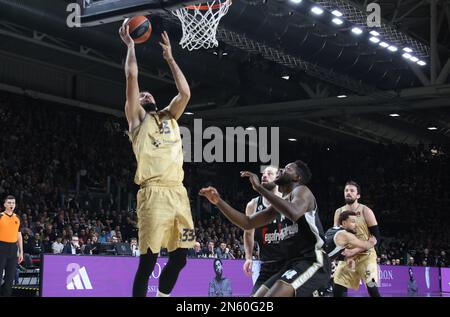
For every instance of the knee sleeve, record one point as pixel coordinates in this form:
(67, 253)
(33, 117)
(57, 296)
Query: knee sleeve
(169, 275)
(146, 265)
(177, 259)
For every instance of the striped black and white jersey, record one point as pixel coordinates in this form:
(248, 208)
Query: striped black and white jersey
(331, 248)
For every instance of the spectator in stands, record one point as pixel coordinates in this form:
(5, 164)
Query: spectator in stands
(220, 251)
(442, 259)
(104, 237)
(196, 251)
(57, 246)
(35, 245)
(73, 247)
(47, 245)
(134, 247)
(209, 252)
(92, 246)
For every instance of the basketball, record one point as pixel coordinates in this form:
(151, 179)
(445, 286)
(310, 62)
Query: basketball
(140, 28)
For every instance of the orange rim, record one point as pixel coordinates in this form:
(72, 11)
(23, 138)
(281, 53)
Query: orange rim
(204, 7)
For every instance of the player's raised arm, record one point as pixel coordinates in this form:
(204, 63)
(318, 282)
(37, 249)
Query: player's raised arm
(179, 102)
(133, 110)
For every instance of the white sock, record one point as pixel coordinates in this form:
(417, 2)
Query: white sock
(159, 294)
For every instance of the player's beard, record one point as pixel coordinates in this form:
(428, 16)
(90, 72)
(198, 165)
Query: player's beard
(269, 185)
(284, 179)
(349, 200)
(351, 231)
(150, 107)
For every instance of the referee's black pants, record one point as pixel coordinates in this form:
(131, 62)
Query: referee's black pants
(8, 263)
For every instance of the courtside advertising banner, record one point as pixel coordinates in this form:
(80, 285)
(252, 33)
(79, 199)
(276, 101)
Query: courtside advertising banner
(395, 280)
(112, 276)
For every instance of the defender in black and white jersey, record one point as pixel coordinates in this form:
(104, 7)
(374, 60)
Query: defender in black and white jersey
(344, 237)
(270, 254)
(306, 266)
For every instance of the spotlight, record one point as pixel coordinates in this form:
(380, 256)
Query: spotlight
(374, 39)
(414, 59)
(337, 13)
(337, 21)
(383, 44)
(316, 10)
(374, 33)
(421, 63)
(394, 115)
(407, 50)
(407, 55)
(392, 48)
(357, 31)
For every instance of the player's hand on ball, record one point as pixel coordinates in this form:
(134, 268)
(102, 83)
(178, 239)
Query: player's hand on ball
(247, 268)
(124, 32)
(254, 180)
(211, 194)
(165, 44)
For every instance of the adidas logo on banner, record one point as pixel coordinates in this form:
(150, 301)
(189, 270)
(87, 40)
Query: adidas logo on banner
(78, 279)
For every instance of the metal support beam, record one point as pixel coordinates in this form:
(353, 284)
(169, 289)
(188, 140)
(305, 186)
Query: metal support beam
(397, 7)
(308, 90)
(418, 72)
(409, 12)
(65, 101)
(73, 52)
(444, 73)
(323, 126)
(447, 13)
(433, 41)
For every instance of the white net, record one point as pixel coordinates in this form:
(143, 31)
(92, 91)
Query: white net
(200, 23)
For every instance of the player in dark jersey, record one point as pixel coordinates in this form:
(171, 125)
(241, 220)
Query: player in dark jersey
(344, 237)
(307, 266)
(338, 239)
(266, 237)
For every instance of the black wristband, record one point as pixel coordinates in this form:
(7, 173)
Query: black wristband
(375, 231)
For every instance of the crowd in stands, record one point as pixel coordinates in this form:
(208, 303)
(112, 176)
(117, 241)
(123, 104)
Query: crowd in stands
(72, 171)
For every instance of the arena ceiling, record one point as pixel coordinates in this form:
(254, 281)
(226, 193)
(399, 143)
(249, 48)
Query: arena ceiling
(244, 80)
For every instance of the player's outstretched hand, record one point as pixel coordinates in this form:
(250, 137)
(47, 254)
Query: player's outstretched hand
(167, 48)
(124, 32)
(211, 194)
(253, 178)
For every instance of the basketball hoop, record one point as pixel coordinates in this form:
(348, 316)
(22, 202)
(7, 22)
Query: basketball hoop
(200, 23)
